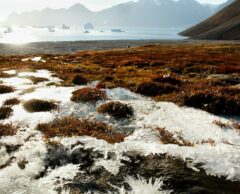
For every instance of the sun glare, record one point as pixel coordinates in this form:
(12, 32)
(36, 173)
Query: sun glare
(18, 37)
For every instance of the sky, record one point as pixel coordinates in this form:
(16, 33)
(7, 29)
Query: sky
(9, 6)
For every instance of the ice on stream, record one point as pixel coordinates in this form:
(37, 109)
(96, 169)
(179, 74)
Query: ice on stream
(196, 126)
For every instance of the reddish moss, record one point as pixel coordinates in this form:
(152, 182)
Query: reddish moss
(168, 138)
(37, 80)
(88, 95)
(7, 130)
(78, 80)
(70, 126)
(130, 68)
(5, 112)
(213, 103)
(36, 105)
(221, 124)
(168, 79)
(116, 109)
(5, 75)
(6, 89)
(11, 102)
(154, 89)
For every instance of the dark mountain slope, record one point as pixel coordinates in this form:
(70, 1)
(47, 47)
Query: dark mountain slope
(224, 25)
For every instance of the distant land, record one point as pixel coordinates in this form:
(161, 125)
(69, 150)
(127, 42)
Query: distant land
(224, 25)
(143, 13)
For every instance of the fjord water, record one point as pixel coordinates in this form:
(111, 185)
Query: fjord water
(31, 34)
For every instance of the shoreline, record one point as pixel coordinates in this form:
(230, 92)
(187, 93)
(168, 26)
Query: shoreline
(67, 47)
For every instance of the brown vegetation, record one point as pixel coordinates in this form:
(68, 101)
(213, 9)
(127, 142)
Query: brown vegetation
(78, 80)
(116, 109)
(36, 105)
(154, 89)
(37, 80)
(6, 89)
(171, 72)
(70, 126)
(5, 112)
(214, 103)
(169, 138)
(7, 130)
(5, 75)
(88, 95)
(11, 102)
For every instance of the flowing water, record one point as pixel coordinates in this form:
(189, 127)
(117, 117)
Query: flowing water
(140, 164)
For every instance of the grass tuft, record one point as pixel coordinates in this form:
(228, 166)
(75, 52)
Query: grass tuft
(213, 103)
(37, 80)
(78, 80)
(71, 126)
(169, 138)
(154, 89)
(36, 105)
(88, 95)
(7, 130)
(116, 109)
(6, 89)
(11, 102)
(5, 112)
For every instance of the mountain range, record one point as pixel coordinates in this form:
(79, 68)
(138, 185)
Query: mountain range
(224, 25)
(143, 13)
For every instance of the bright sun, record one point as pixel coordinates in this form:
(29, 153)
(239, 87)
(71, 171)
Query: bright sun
(18, 37)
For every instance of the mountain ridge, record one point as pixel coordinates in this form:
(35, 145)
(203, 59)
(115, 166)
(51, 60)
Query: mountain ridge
(224, 25)
(154, 13)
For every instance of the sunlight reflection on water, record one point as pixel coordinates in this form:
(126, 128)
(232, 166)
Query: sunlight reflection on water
(21, 35)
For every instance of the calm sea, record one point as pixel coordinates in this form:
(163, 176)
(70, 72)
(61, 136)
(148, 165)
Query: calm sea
(18, 35)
